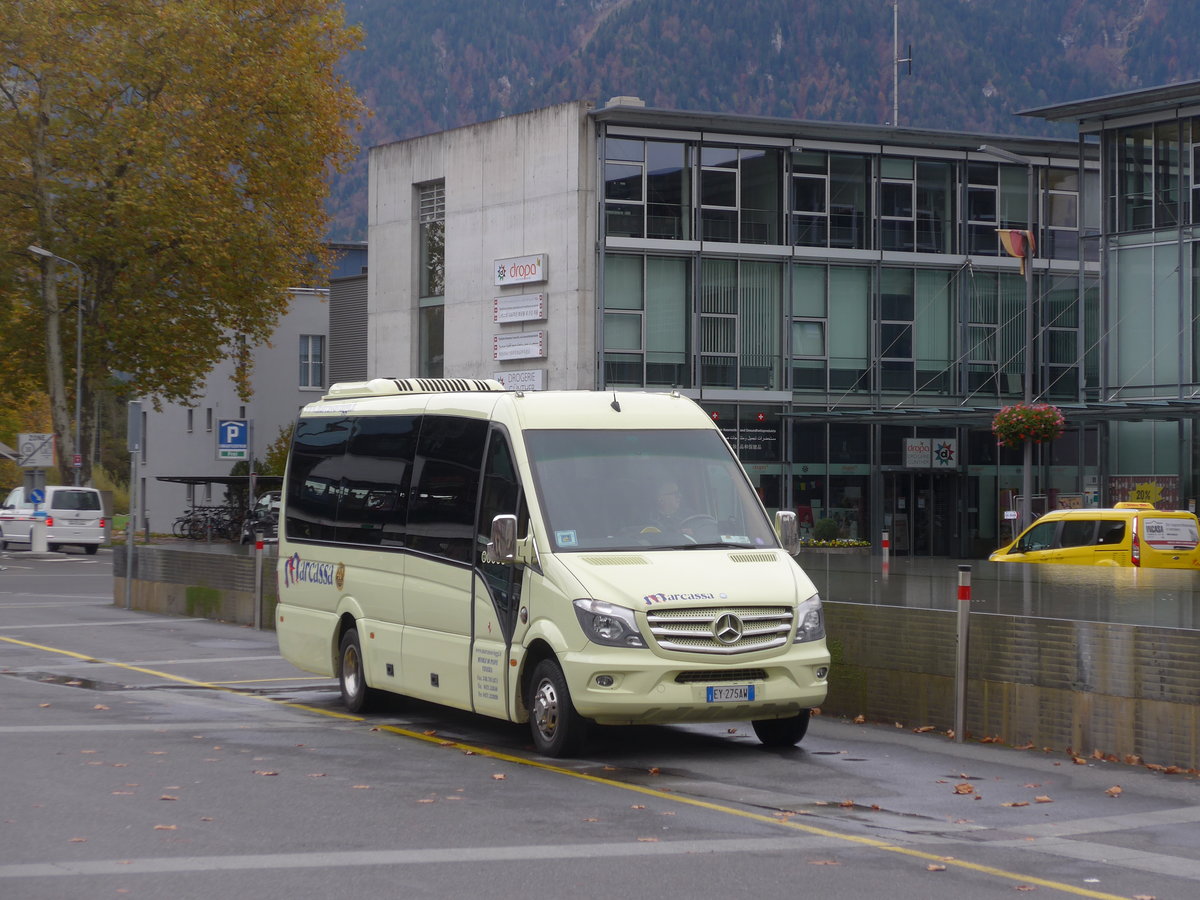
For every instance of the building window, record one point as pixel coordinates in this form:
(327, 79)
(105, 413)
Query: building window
(740, 194)
(312, 361)
(647, 189)
(646, 303)
(190, 420)
(1061, 234)
(829, 200)
(809, 321)
(208, 418)
(897, 204)
(431, 289)
(739, 324)
(1147, 175)
(896, 309)
(983, 187)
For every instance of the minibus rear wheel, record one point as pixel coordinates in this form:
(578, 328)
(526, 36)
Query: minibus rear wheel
(782, 732)
(558, 730)
(352, 675)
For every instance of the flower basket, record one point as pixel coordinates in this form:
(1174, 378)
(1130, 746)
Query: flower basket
(1038, 423)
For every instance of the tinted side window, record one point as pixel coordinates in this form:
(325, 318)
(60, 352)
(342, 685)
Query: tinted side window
(501, 494)
(1077, 533)
(314, 478)
(441, 510)
(1111, 533)
(373, 496)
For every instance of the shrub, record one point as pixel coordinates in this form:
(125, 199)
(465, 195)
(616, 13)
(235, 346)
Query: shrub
(826, 530)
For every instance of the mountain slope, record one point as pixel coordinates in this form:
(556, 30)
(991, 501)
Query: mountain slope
(427, 67)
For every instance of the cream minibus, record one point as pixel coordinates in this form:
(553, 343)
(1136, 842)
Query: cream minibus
(503, 552)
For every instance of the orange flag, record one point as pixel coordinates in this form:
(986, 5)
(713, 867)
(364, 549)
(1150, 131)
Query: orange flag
(1020, 244)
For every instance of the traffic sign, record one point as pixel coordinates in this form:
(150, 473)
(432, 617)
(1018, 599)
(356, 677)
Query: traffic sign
(37, 496)
(35, 451)
(233, 439)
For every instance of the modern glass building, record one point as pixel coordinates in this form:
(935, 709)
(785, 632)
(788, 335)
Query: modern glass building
(837, 297)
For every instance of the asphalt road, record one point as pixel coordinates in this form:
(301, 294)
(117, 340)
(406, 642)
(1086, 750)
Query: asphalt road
(154, 757)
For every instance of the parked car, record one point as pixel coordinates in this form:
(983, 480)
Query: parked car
(1129, 534)
(72, 515)
(263, 518)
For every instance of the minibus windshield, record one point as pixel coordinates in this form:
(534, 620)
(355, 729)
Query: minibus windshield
(662, 489)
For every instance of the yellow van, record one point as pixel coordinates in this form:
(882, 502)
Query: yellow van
(1129, 534)
(555, 557)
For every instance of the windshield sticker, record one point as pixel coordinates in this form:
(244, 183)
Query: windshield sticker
(566, 538)
(306, 571)
(651, 599)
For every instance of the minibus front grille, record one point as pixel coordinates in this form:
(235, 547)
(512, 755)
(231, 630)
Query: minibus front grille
(626, 559)
(712, 676)
(723, 631)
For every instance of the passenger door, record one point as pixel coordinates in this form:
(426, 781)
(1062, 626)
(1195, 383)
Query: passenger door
(498, 586)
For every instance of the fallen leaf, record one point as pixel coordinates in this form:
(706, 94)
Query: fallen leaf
(1079, 760)
(1042, 798)
(654, 770)
(264, 772)
(859, 720)
(1028, 746)
(426, 800)
(731, 731)
(1033, 785)
(1026, 887)
(1132, 759)
(123, 793)
(823, 862)
(923, 729)
(1114, 791)
(815, 711)
(1016, 803)
(165, 827)
(99, 706)
(899, 724)
(637, 806)
(429, 733)
(499, 776)
(934, 867)
(950, 734)
(847, 804)
(875, 807)
(43, 706)
(648, 840)
(316, 774)
(1096, 754)
(1144, 897)
(360, 787)
(78, 840)
(167, 797)
(964, 788)
(206, 819)
(592, 819)
(989, 739)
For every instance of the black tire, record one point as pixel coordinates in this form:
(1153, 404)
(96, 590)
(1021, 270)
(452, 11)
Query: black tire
(90, 549)
(352, 676)
(782, 732)
(557, 729)
(53, 548)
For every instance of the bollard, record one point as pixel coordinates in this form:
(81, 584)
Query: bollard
(37, 535)
(960, 666)
(258, 571)
(886, 545)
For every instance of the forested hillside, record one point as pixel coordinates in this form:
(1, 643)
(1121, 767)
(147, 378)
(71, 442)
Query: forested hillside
(430, 66)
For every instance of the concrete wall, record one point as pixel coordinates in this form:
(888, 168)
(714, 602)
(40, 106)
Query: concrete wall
(517, 186)
(1064, 685)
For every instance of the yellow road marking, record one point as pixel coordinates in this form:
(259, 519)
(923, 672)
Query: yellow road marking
(667, 796)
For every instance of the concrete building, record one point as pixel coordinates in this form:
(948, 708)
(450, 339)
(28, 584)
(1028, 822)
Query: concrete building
(836, 296)
(288, 372)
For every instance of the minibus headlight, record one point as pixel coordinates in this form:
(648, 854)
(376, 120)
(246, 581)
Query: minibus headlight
(810, 621)
(603, 623)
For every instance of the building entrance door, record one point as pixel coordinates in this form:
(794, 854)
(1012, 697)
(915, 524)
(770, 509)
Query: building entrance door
(921, 512)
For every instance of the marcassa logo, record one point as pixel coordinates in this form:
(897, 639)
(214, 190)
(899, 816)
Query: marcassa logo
(651, 599)
(306, 571)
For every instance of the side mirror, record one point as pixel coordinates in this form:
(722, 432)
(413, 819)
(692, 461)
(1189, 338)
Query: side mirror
(502, 548)
(787, 527)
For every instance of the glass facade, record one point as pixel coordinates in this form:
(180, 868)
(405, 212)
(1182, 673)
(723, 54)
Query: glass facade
(824, 280)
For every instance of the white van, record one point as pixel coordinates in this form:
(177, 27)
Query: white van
(72, 515)
(502, 552)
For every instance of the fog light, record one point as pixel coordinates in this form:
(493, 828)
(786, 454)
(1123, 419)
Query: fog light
(822, 673)
(604, 681)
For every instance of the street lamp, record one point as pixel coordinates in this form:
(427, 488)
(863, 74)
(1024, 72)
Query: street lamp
(38, 251)
(1027, 263)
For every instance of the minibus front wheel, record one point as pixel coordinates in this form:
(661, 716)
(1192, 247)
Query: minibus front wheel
(782, 732)
(558, 730)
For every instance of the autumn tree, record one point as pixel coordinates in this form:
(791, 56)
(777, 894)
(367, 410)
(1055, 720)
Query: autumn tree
(176, 151)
